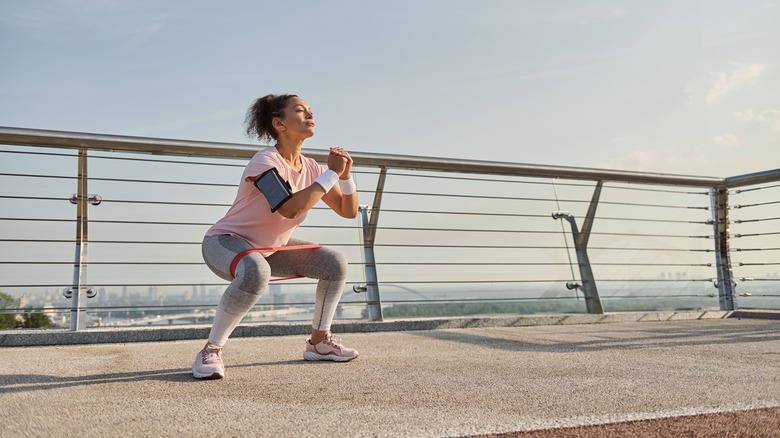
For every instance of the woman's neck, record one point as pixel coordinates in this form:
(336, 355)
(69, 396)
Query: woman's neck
(291, 152)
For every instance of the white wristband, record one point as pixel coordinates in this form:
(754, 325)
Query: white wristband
(347, 186)
(327, 180)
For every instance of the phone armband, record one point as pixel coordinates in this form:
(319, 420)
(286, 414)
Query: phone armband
(275, 189)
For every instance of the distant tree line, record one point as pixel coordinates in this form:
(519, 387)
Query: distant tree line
(28, 318)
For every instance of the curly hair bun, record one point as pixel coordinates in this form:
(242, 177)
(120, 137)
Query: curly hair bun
(259, 116)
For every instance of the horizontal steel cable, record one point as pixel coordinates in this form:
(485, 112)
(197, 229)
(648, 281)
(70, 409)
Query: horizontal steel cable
(120, 263)
(162, 182)
(41, 262)
(645, 189)
(36, 175)
(477, 300)
(517, 299)
(184, 307)
(640, 297)
(560, 280)
(486, 179)
(656, 294)
(532, 264)
(472, 230)
(132, 222)
(530, 247)
(741, 221)
(304, 281)
(102, 285)
(421, 263)
(38, 153)
(168, 161)
(461, 213)
(489, 214)
(376, 245)
(615, 280)
(148, 242)
(738, 235)
(511, 198)
(758, 264)
(544, 183)
(756, 188)
(655, 280)
(752, 249)
(495, 214)
(34, 219)
(34, 198)
(742, 298)
(758, 204)
(147, 202)
(196, 204)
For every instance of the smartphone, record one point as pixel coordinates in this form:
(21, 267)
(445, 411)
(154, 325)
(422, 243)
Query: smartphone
(275, 189)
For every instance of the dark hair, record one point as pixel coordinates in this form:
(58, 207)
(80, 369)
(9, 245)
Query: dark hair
(262, 112)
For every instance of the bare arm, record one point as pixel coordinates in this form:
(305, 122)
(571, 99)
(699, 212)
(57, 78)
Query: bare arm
(302, 201)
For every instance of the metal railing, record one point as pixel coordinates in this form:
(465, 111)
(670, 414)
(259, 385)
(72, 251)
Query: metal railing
(455, 236)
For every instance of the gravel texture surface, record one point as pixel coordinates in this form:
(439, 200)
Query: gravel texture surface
(454, 382)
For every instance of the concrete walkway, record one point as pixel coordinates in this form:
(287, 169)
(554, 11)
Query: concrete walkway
(440, 382)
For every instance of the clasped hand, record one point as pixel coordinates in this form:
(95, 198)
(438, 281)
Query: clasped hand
(340, 162)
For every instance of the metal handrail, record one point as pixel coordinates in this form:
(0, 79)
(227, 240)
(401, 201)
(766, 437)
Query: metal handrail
(75, 140)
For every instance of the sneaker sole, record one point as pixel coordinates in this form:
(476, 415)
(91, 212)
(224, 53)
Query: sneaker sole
(213, 376)
(308, 355)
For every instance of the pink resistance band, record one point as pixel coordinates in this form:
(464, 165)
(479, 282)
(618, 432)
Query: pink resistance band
(241, 255)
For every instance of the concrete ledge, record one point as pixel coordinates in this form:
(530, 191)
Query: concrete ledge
(756, 314)
(24, 338)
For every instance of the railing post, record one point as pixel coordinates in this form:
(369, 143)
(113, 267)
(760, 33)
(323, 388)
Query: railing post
(589, 289)
(370, 217)
(79, 264)
(719, 199)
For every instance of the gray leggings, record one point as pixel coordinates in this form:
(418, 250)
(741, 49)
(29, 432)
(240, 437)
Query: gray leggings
(254, 271)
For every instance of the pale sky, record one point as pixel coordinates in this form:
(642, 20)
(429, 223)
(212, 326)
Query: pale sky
(663, 86)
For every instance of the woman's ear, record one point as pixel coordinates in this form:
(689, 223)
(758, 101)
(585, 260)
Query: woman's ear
(277, 123)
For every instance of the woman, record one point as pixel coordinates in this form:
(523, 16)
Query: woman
(251, 223)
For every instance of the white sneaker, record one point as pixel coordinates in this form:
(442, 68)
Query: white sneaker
(208, 363)
(329, 349)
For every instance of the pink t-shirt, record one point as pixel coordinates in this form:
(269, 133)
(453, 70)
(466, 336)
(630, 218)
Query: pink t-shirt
(250, 215)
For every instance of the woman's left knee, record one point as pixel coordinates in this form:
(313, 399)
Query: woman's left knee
(335, 265)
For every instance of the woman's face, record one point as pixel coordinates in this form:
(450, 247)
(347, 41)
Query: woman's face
(298, 120)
